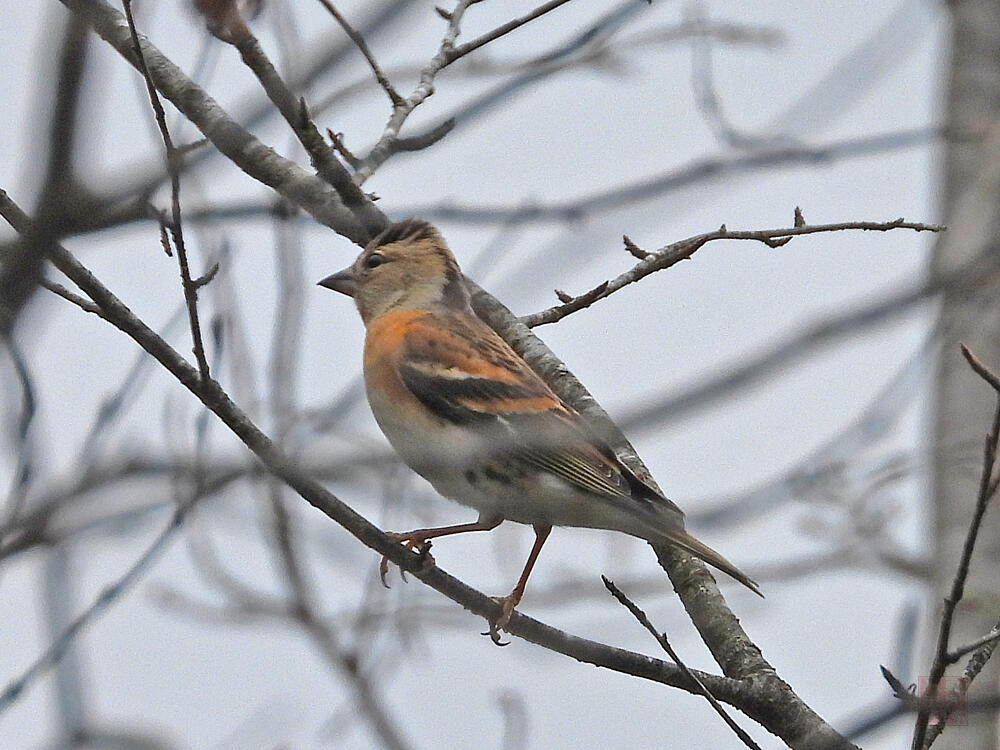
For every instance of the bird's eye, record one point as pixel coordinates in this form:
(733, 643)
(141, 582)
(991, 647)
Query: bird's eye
(374, 260)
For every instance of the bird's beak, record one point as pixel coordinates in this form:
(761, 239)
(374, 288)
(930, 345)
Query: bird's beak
(342, 281)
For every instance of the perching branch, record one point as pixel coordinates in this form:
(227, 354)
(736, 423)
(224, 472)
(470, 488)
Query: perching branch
(797, 724)
(765, 698)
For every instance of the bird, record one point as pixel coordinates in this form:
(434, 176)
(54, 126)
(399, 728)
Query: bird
(467, 413)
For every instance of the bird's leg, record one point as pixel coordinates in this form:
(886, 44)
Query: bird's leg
(507, 603)
(418, 540)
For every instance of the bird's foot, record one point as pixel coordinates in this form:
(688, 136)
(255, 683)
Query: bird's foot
(507, 604)
(419, 544)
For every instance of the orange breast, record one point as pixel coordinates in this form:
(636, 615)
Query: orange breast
(383, 348)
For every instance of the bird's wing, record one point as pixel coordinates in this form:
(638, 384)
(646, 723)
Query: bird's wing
(463, 372)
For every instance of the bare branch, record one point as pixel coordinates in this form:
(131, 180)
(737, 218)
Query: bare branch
(703, 82)
(173, 159)
(447, 53)
(943, 707)
(990, 638)
(675, 252)
(84, 304)
(25, 469)
(248, 153)
(951, 601)
(463, 49)
(661, 638)
(697, 171)
(108, 596)
(362, 46)
(574, 209)
(296, 114)
(981, 370)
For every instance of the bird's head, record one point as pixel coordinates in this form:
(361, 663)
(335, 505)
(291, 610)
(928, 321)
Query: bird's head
(407, 267)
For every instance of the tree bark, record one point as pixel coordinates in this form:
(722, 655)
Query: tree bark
(962, 403)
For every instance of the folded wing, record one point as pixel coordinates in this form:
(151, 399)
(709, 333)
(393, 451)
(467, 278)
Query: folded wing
(473, 378)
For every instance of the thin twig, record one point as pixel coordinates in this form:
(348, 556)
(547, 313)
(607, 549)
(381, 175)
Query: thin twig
(447, 53)
(173, 160)
(957, 653)
(951, 601)
(973, 667)
(578, 208)
(25, 469)
(463, 49)
(81, 302)
(359, 41)
(296, 114)
(676, 252)
(592, 44)
(661, 638)
(108, 596)
(700, 170)
(981, 370)
(247, 152)
(706, 95)
(112, 593)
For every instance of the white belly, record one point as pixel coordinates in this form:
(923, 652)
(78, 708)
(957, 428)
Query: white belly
(456, 462)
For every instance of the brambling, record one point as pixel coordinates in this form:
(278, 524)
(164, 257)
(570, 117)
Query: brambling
(469, 415)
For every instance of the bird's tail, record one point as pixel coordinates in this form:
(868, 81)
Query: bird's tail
(688, 543)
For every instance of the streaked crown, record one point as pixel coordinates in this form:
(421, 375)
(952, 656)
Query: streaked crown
(407, 267)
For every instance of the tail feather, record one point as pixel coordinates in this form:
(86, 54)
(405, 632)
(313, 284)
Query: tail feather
(688, 543)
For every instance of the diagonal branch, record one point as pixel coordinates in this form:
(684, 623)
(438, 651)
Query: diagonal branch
(502, 30)
(230, 27)
(795, 722)
(216, 400)
(661, 638)
(362, 45)
(173, 158)
(243, 149)
(980, 656)
(447, 53)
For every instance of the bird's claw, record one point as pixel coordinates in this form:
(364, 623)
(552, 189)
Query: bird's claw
(507, 604)
(383, 571)
(417, 544)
